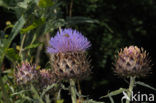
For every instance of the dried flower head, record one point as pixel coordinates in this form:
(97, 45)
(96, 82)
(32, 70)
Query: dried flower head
(132, 61)
(68, 49)
(26, 73)
(46, 78)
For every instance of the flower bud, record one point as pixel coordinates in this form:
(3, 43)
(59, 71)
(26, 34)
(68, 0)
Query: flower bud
(26, 73)
(132, 61)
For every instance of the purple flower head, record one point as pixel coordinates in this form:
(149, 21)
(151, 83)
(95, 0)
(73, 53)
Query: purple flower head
(68, 40)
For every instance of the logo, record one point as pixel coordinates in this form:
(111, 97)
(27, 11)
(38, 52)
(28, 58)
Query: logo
(139, 97)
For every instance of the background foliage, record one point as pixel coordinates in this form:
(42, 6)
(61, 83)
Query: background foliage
(108, 24)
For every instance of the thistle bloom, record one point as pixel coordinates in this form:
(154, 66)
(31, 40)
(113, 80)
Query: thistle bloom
(26, 73)
(132, 61)
(68, 48)
(68, 40)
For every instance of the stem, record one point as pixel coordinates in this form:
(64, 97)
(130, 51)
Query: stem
(57, 96)
(73, 90)
(21, 48)
(79, 90)
(38, 54)
(47, 37)
(39, 51)
(131, 85)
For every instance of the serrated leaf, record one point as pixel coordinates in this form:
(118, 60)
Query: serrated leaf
(145, 85)
(113, 93)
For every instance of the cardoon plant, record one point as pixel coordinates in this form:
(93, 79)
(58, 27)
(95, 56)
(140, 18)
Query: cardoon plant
(69, 58)
(132, 62)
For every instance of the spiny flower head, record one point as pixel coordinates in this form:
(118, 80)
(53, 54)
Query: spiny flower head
(69, 58)
(68, 40)
(132, 61)
(71, 65)
(47, 78)
(25, 73)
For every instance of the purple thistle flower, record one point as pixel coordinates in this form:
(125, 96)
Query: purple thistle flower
(68, 40)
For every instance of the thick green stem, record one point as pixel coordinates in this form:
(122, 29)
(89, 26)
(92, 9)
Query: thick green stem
(73, 90)
(131, 85)
(57, 96)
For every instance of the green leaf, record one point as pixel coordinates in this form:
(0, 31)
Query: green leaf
(12, 55)
(3, 46)
(24, 4)
(113, 93)
(145, 85)
(77, 20)
(53, 24)
(3, 4)
(36, 95)
(20, 92)
(32, 46)
(15, 30)
(45, 3)
(17, 27)
(34, 25)
(26, 97)
(47, 89)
